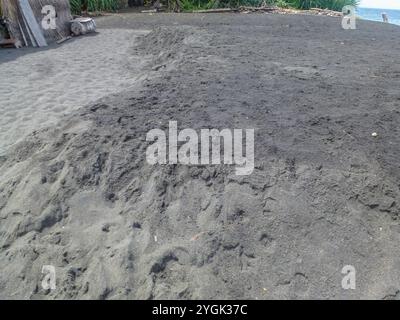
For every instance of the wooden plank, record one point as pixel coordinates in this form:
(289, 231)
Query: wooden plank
(32, 23)
(23, 34)
(33, 41)
(64, 39)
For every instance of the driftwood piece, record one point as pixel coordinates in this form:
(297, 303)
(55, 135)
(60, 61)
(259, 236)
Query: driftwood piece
(272, 9)
(149, 11)
(9, 43)
(239, 9)
(64, 39)
(219, 10)
(254, 9)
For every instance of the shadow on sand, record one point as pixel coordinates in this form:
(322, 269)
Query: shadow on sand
(10, 54)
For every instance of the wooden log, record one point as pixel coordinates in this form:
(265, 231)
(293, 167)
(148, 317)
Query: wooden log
(82, 26)
(9, 43)
(76, 28)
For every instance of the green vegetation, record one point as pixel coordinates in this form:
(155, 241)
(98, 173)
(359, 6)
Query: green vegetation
(335, 5)
(190, 5)
(78, 6)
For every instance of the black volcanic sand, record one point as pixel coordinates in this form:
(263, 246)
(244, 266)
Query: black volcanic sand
(324, 193)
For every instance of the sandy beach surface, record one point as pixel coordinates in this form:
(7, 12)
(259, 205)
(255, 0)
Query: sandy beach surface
(39, 87)
(77, 193)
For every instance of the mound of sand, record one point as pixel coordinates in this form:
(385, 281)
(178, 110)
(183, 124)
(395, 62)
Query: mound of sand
(324, 193)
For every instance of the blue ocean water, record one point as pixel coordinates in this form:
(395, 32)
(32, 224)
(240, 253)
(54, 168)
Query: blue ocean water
(376, 14)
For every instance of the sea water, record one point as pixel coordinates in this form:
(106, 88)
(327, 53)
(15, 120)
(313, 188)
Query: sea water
(376, 14)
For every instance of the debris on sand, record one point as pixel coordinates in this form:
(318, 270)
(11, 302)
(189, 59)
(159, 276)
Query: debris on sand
(269, 9)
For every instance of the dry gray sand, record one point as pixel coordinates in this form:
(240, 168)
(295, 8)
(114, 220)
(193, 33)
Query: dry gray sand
(324, 194)
(38, 88)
